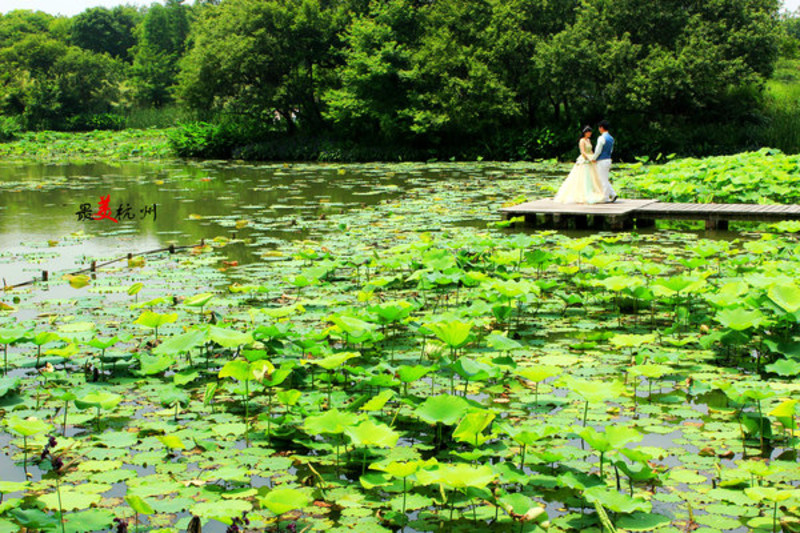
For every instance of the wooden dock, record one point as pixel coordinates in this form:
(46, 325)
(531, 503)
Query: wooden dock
(625, 213)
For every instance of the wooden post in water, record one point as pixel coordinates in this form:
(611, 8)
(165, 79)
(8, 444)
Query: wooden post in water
(172, 248)
(93, 268)
(45, 275)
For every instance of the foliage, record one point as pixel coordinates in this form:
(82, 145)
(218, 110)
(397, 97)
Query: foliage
(766, 176)
(334, 407)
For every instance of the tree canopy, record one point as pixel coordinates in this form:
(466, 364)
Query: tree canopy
(425, 73)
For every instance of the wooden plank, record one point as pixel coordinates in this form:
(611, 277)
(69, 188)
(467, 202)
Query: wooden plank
(620, 207)
(622, 210)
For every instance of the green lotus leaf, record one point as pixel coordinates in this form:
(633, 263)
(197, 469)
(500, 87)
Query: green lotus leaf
(522, 508)
(594, 391)
(650, 370)
(102, 399)
(236, 369)
(457, 476)
(12, 335)
(229, 338)
(373, 480)
(156, 364)
(355, 327)
(280, 501)
(636, 471)
(89, 520)
(444, 409)
(410, 374)
(66, 352)
(182, 343)
(771, 494)
(135, 288)
(784, 367)
(103, 344)
(528, 435)
(631, 340)
(785, 411)
(686, 476)
(613, 438)
(33, 519)
(740, 319)
(276, 376)
(198, 300)
(454, 333)
(472, 370)
(332, 422)
(369, 433)
(615, 501)
(471, 426)
(400, 469)
(502, 343)
(332, 362)
(8, 384)
(377, 402)
(786, 296)
(388, 312)
(288, 397)
(151, 319)
(45, 337)
(514, 289)
(71, 499)
(639, 521)
(222, 510)
(27, 427)
(172, 442)
(13, 486)
(538, 373)
(139, 504)
(77, 327)
(262, 368)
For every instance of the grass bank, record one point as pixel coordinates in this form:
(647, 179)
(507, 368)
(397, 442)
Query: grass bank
(100, 144)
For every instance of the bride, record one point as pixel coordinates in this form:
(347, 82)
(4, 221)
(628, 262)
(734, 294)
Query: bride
(582, 186)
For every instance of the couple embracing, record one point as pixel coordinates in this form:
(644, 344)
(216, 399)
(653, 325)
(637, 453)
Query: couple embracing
(588, 181)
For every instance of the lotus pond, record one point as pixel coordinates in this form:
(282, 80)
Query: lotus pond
(392, 360)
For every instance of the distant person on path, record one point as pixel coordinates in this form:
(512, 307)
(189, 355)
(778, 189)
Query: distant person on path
(583, 185)
(602, 159)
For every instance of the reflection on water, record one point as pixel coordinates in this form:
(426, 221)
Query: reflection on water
(39, 204)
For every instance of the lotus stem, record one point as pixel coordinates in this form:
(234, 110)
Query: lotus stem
(25, 455)
(364, 465)
(601, 464)
(66, 406)
(404, 494)
(247, 411)
(775, 518)
(269, 413)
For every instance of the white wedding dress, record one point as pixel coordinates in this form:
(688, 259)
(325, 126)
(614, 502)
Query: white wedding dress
(583, 185)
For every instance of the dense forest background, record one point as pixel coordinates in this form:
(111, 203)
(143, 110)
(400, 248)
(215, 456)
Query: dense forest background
(411, 79)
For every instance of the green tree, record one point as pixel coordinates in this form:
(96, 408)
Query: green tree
(105, 30)
(375, 82)
(254, 58)
(161, 43)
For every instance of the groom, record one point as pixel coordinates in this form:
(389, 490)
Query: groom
(602, 157)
